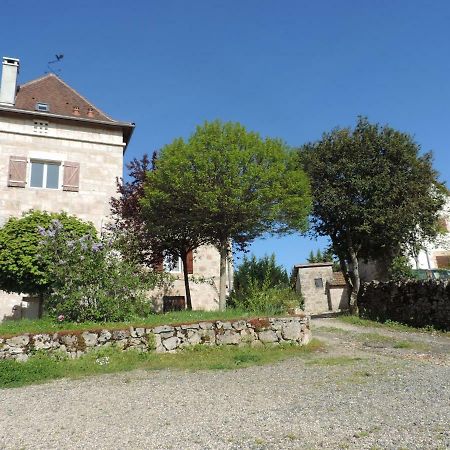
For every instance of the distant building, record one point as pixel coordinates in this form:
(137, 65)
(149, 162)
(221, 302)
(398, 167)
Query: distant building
(436, 254)
(322, 289)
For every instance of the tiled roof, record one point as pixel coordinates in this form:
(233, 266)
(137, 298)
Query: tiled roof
(338, 279)
(61, 99)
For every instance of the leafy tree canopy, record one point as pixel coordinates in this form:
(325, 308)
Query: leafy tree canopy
(374, 193)
(225, 184)
(22, 266)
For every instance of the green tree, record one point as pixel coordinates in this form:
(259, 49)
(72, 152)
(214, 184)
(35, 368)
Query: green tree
(225, 185)
(374, 195)
(23, 269)
(258, 271)
(325, 256)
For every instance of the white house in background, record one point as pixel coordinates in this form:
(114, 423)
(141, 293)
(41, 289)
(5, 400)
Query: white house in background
(59, 152)
(436, 254)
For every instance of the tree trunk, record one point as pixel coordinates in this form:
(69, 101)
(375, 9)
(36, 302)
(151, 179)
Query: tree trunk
(186, 282)
(223, 277)
(353, 303)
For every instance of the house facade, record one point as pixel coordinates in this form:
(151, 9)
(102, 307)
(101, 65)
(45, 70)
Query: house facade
(59, 152)
(436, 254)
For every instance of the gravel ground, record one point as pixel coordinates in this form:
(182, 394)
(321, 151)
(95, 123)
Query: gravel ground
(384, 400)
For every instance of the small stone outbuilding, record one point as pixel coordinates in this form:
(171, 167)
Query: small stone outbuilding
(322, 289)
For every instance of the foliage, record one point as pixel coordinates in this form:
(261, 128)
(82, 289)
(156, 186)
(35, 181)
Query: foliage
(374, 194)
(263, 287)
(41, 368)
(267, 300)
(89, 280)
(224, 184)
(389, 324)
(136, 241)
(22, 267)
(400, 269)
(256, 271)
(325, 256)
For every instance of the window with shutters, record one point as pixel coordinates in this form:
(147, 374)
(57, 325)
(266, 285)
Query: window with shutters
(45, 174)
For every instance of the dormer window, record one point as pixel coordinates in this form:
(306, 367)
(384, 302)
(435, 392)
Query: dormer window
(43, 107)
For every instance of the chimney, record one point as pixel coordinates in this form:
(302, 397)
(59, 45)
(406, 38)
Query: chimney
(9, 81)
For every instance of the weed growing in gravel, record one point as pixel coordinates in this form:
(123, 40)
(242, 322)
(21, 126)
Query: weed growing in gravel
(334, 361)
(40, 368)
(412, 345)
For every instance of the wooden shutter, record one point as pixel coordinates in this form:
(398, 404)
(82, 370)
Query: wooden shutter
(190, 262)
(71, 179)
(158, 266)
(443, 262)
(17, 176)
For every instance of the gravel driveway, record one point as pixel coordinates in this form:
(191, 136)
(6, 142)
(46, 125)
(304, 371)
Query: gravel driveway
(385, 398)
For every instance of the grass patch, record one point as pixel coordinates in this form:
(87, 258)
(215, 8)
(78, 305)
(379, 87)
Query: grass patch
(40, 368)
(390, 325)
(48, 325)
(331, 329)
(334, 361)
(390, 341)
(412, 345)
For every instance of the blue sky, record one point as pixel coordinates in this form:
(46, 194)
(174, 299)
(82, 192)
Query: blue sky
(290, 69)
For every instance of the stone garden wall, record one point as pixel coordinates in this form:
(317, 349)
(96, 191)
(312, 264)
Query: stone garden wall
(416, 303)
(165, 338)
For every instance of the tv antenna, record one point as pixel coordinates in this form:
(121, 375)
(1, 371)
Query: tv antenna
(58, 57)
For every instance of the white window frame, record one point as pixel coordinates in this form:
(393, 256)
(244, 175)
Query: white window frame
(177, 269)
(46, 162)
(42, 107)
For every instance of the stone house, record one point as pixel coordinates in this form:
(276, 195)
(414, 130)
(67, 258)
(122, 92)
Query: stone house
(322, 289)
(59, 152)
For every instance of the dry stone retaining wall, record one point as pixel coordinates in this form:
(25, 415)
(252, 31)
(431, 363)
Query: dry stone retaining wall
(416, 303)
(164, 338)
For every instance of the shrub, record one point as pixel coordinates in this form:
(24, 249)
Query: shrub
(259, 271)
(262, 286)
(400, 269)
(89, 280)
(22, 266)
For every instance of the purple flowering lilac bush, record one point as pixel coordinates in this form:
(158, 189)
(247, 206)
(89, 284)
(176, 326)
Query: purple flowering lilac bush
(90, 281)
(23, 267)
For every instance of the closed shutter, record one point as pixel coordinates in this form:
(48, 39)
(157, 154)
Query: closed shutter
(71, 179)
(443, 262)
(190, 262)
(17, 176)
(158, 266)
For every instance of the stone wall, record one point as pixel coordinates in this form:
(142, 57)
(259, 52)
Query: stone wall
(416, 303)
(164, 338)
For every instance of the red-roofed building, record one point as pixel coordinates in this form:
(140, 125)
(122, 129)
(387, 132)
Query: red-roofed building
(58, 152)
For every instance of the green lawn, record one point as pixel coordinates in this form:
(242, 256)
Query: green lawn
(40, 367)
(46, 325)
(390, 325)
